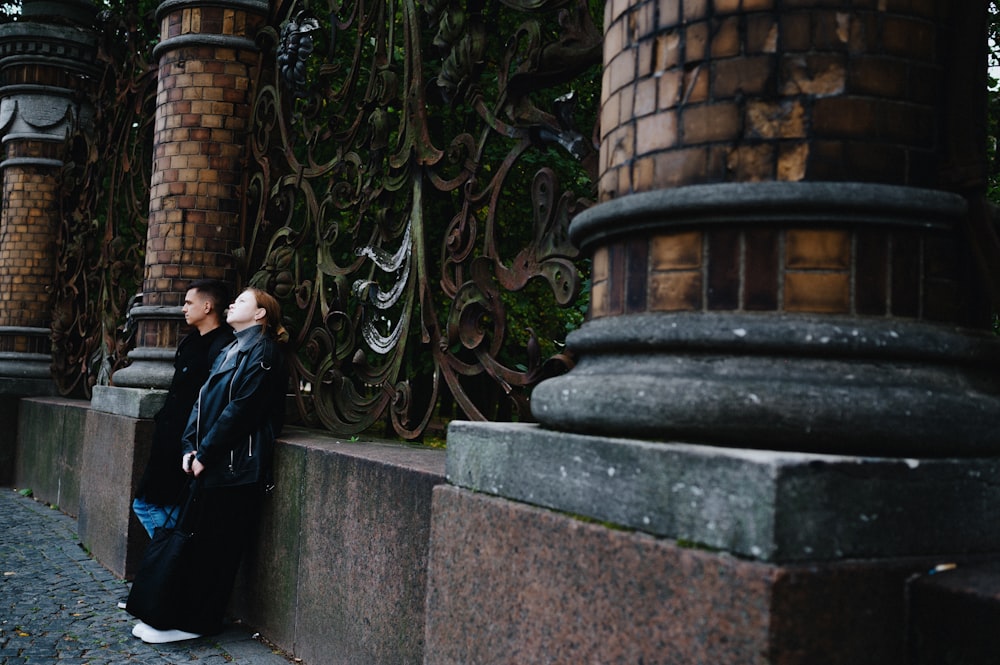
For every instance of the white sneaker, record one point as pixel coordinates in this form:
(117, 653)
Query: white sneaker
(151, 635)
(140, 629)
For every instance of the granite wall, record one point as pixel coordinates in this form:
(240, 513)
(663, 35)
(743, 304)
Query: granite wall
(338, 572)
(48, 434)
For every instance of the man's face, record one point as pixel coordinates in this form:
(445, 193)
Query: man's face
(196, 308)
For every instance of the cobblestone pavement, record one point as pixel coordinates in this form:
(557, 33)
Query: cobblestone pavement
(58, 605)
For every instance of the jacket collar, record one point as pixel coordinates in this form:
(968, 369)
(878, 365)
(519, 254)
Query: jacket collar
(246, 338)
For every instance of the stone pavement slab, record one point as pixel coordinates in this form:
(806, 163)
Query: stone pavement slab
(58, 605)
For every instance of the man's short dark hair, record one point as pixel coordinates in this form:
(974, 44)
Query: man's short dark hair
(217, 291)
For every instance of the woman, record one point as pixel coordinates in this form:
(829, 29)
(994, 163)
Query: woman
(228, 448)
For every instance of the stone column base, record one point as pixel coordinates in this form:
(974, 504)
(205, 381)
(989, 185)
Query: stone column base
(115, 450)
(829, 317)
(152, 367)
(510, 584)
(769, 505)
(825, 384)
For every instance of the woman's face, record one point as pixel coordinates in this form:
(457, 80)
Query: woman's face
(244, 312)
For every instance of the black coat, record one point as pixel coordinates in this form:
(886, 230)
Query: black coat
(163, 480)
(239, 412)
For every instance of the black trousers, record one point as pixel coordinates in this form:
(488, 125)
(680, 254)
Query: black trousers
(224, 520)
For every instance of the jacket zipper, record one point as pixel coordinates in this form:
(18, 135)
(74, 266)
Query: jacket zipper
(197, 424)
(232, 453)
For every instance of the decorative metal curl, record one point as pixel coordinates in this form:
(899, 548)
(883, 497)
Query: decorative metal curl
(396, 156)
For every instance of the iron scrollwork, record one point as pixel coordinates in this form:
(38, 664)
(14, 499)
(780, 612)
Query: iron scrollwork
(405, 201)
(105, 198)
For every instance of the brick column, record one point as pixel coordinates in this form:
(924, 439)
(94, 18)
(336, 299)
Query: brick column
(206, 58)
(781, 270)
(780, 255)
(45, 70)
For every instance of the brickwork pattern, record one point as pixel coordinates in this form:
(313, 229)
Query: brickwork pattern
(864, 272)
(203, 112)
(710, 91)
(27, 239)
(699, 91)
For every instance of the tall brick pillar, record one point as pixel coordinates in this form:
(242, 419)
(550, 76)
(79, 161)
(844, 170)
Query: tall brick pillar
(47, 62)
(46, 65)
(786, 404)
(205, 58)
(780, 258)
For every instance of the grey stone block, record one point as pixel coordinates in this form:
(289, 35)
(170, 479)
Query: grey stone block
(770, 505)
(131, 402)
(50, 444)
(339, 572)
(115, 450)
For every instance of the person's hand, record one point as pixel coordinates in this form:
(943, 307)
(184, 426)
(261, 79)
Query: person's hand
(196, 467)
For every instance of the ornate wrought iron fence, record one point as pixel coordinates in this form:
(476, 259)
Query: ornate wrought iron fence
(412, 171)
(414, 167)
(105, 204)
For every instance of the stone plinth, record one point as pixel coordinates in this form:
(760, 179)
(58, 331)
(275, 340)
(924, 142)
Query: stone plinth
(511, 584)
(115, 451)
(133, 402)
(567, 548)
(769, 505)
(339, 574)
(50, 449)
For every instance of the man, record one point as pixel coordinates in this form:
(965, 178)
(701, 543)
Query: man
(162, 483)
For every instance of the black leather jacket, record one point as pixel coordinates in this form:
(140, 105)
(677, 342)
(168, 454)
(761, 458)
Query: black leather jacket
(239, 412)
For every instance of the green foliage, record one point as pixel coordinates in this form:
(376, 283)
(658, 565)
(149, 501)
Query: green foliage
(531, 309)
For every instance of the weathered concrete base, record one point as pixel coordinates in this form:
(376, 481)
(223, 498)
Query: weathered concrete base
(134, 402)
(12, 389)
(339, 572)
(114, 455)
(514, 584)
(50, 445)
(770, 505)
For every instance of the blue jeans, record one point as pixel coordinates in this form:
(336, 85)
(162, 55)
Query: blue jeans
(152, 515)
